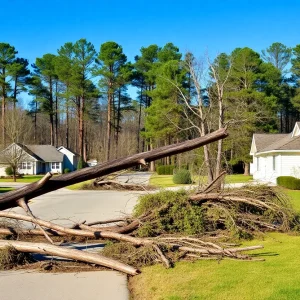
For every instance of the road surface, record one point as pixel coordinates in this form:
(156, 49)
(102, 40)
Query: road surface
(67, 207)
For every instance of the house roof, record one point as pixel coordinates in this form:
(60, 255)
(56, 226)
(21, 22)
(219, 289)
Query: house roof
(265, 140)
(46, 153)
(63, 147)
(277, 142)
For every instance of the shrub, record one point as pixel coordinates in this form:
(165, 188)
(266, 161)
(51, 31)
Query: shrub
(67, 170)
(289, 182)
(9, 171)
(182, 176)
(172, 213)
(165, 170)
(81, 164)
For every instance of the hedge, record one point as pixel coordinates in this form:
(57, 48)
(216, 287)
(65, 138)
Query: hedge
(165, 169)
(289, 182)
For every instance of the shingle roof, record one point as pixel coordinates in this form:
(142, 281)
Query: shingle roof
(46, 153)
(265, 140)
(286, 143)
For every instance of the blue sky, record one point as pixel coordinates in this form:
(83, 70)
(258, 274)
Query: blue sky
(36, 27)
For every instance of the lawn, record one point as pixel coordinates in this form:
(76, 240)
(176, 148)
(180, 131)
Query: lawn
(34, 178)
(5, 189)
(167, 180)
(25, 179)
(295, 199)
(276, 278)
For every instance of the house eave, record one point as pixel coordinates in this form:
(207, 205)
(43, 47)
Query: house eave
(276, 151)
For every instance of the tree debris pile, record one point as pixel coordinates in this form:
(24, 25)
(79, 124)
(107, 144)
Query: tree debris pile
(200, 226)
(242, 212)
(166, 227)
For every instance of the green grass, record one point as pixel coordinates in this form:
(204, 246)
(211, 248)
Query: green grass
(25, 179)
(276, 278)
(5, 189)
(34, 178)
(295, 198)
(237, 178)
(78, 186)
(167, 180)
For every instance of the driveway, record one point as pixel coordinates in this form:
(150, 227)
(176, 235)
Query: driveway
(135, 178)
(66, 207)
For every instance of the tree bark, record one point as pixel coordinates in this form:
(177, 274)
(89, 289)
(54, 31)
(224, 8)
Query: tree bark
(56, 114)
(246, 169)
(30, 191)
(81, 128)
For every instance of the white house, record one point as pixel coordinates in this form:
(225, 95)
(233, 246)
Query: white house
(276, 155)
(37, 159)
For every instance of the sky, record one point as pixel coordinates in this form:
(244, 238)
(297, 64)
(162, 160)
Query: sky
(37, 27)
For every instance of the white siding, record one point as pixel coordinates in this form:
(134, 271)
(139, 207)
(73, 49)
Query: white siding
(286, 164)
(290, 165)
(266, 172)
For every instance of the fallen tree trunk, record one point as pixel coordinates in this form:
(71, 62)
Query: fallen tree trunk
(74, 254)
(10, 199)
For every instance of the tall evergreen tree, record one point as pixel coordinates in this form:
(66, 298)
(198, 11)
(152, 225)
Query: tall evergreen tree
(112, 60)
(7, 57)
(44, 68)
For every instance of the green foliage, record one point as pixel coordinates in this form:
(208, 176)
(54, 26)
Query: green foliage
(173, 214)
(289, 182)
(182, 176)
(9, 171)
(165, 169)
(67, 170)
(81, 164)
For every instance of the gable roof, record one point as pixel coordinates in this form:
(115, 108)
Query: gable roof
(46, 153)
(265, 140)
(63, 147)
(277, 142)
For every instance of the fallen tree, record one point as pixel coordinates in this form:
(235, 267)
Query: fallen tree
(20, 197)
(48, 183)
(166, 228)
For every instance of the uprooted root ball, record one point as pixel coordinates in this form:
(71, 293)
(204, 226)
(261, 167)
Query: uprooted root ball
(11, 258)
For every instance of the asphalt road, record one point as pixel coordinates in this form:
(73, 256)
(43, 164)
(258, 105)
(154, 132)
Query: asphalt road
(67, 207)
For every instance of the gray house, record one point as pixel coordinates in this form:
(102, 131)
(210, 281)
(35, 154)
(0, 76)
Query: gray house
(37, 159)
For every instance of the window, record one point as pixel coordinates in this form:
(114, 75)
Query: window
(274, 163)
(55, 165)
(25, 165)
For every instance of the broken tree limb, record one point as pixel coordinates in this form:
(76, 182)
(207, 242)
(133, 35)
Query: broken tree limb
(220, 197)
(33, 190)
(22, 203)
(22, 231)
(108, 221)
(74, 254)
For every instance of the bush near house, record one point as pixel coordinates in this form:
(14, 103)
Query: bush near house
(165, 169)
(9, 171)
(182, 176)
(289, 182)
